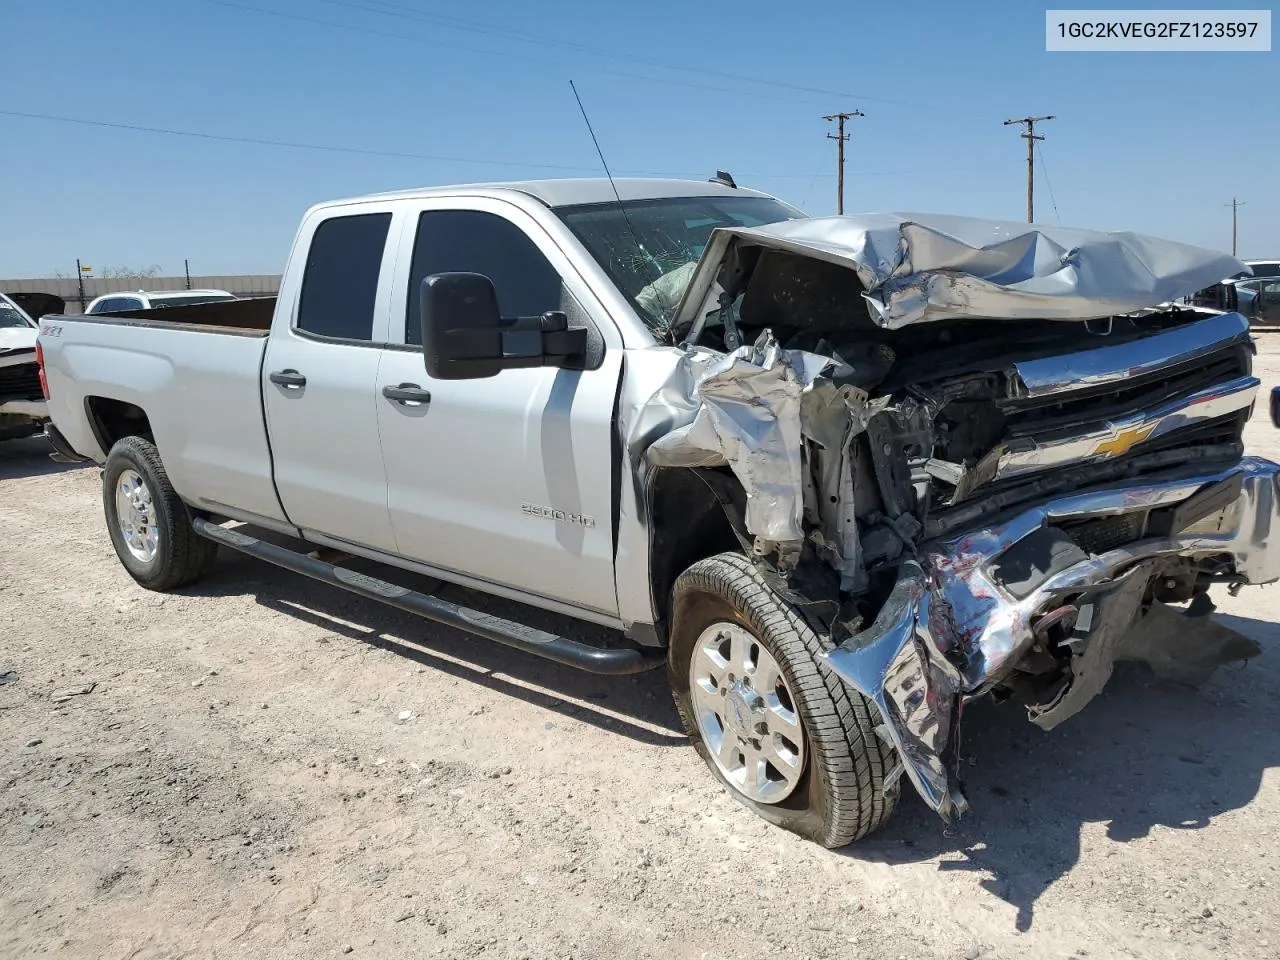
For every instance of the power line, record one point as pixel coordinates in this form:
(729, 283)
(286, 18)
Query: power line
(373, 31)
(814, 179)
(333, 148)
(1048, 183)
(415, 14)
(1031, 138)
(392, 154)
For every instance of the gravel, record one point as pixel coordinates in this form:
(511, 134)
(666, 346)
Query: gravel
(179, 820)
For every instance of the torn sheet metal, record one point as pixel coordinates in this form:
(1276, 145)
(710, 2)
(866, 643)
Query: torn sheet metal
(956, 629)
(903, 668)
(919, 268)
(1183, 647)
(755, 408)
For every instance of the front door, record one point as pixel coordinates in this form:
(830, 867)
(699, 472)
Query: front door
(508, 479)
(318, 382)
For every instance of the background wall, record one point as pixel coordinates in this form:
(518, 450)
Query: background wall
(69, 289)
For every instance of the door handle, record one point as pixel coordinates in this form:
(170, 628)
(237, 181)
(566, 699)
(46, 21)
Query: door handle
(407, 393)
(289, 379)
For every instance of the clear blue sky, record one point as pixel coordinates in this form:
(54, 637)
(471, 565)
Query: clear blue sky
(1151, 142)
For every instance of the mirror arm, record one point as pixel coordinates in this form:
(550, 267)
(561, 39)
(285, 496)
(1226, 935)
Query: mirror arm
(547, 339)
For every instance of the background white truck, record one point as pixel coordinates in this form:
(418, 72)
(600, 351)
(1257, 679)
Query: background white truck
(154, 300)
(840, 476)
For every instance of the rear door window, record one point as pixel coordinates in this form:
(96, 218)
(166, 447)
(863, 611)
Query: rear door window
(340, 283)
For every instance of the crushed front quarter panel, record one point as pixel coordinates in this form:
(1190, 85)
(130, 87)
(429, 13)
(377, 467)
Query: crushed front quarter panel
(753, 409)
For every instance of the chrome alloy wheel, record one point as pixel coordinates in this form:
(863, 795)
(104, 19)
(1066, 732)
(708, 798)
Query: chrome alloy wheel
(136, 516)
(745, 713)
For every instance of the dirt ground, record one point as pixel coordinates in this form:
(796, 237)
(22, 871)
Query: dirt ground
(265, 768)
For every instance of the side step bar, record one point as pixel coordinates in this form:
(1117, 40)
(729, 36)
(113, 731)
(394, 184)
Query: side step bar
(538, 642)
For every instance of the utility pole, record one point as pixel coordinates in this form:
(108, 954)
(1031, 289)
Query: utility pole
(1234, 205)
(186, 266)
(1031, 138)
(840, 137)
(80, 282)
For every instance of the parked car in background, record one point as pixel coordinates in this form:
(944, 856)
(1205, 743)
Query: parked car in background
(152, 300)
(1222, 295)
(1257, 298)
(22, 404)
(1264, 268)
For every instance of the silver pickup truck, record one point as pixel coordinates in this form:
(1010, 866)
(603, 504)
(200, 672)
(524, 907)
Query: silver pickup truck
(840, 476)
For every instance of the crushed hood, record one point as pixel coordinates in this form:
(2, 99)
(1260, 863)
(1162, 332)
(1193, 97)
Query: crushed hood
(918, 268)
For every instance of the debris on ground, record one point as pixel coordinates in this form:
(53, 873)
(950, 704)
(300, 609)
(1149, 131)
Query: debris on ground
(62, 696)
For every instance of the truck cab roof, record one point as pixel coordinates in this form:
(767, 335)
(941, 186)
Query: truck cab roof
(571, 192)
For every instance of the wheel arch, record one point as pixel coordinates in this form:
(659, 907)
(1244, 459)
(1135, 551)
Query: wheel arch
(693, 514)
(112, 420)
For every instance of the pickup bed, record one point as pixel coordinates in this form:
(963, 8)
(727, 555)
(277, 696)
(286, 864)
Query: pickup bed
(839, 475)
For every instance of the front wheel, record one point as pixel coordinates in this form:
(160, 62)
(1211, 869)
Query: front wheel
(779, 729)
(149, 524)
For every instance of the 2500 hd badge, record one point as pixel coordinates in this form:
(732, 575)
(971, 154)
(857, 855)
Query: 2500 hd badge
(560, 516)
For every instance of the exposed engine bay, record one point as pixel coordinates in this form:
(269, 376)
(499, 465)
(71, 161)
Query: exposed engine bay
(981, 458)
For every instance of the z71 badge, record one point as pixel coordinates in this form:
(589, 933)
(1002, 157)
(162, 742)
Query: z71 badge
(560, 516)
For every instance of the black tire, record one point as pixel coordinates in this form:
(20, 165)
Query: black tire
(181, 555)
(840, 796)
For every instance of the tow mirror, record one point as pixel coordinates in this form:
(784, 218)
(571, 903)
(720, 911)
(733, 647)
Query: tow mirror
(465, 338)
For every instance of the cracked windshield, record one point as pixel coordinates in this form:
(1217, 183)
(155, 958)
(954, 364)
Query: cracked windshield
(650, 248)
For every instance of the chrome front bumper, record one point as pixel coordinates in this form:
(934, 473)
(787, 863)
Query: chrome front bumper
(953, 627)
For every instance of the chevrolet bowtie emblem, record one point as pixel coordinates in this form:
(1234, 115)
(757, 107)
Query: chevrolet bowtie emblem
(1124, 441)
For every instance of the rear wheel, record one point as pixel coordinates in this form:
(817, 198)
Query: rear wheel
(150, 526)
(787, 737)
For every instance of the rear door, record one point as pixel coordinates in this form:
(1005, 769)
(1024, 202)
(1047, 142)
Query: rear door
(1267, 303)
(508, 480)
(319, 373)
